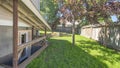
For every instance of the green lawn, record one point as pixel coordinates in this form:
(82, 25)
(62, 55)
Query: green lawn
(43, 32)
(86, 53)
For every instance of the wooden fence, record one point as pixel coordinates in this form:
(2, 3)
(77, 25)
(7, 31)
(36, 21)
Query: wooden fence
(108, 35)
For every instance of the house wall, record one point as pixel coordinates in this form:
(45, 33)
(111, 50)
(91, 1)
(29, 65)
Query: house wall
(5, 41)
(108, 36)
(6, 33)
(6, 19)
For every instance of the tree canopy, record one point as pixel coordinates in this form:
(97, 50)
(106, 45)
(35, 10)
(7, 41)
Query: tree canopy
(49, 8)
(93, 11)
(89, 11)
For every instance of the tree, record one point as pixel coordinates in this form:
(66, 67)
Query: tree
(91, 10)
(48, 9)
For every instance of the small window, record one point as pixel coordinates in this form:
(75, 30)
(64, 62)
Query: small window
(23, 38)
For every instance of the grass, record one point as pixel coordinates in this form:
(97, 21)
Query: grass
(86, 53)
(43, 32)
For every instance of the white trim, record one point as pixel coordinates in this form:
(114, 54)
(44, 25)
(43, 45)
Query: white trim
(28, 38)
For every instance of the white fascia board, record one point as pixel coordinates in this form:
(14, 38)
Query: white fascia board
(30, 5)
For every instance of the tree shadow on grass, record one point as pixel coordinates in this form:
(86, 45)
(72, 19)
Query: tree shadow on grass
(61, 54)
(104, 53)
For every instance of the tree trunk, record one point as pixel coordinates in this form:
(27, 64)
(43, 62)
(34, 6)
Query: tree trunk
(105, 42)
(73, 33)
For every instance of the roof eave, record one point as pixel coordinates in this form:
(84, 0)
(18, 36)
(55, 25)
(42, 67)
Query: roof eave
(30, 5)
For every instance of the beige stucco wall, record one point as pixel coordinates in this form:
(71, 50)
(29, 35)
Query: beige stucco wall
(6, 33)
(6, 19)
(5, 41)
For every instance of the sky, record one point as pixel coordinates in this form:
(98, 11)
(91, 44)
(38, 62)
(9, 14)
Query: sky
(114, 18)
